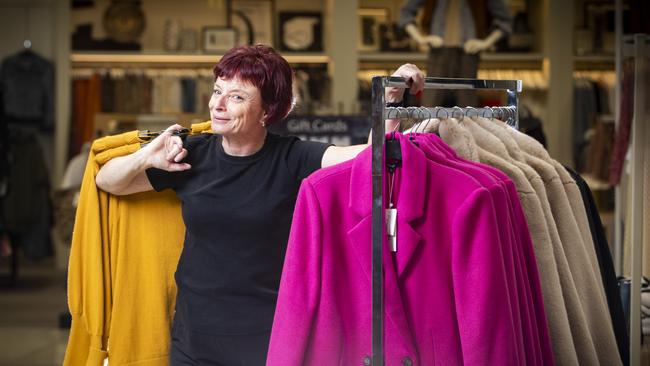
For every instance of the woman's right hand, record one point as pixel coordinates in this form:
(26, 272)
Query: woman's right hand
(166, 151)
(127, 174)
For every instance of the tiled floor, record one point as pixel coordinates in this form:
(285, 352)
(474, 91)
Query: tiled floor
(29, 312)
(29, 316)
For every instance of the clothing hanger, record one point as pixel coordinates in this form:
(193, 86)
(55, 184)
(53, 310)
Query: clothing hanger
(27, 43)
(393, 147)
(150, 135)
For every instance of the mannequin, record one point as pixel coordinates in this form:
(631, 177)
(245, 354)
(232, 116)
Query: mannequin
(455, 32)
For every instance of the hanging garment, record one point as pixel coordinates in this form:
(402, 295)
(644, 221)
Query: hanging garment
(521, 146)
(27, 84)
(188, 86)
(570, 218)
(26, 207)
(607, 271)
(599, 151)
(533, 148)
(553, 300)
(326, 319)
(121, 289)
(495, 154)
(107, 93)
(85, 105)
(526, 292)
(451, 62)
(598, 312)
(585, 109)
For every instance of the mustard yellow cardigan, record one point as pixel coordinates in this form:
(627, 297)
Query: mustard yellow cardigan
(121, 290)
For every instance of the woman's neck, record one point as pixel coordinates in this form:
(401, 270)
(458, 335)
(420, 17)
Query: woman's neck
(244, 145)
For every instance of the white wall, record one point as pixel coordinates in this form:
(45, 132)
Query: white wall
(20, 20)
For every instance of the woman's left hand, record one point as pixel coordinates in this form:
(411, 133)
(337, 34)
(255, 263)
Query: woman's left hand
(414, 78)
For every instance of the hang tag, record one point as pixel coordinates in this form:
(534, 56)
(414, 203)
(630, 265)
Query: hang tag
(391, 228)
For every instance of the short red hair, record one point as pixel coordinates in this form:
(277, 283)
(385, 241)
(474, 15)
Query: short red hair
(264, 68)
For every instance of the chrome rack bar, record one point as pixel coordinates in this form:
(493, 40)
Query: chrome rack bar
(506, 114)
(458, 83)
(378, 115)
(511, 87)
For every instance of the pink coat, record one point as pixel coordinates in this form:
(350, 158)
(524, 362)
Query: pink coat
(445, 289)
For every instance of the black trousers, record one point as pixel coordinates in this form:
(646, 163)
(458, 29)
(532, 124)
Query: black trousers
(450, 62)
(190, 348)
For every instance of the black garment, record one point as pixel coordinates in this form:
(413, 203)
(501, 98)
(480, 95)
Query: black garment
(188, 95)
(531, 125)
(4, 156)
(237, 212)
(450, 62)
(606, 264)
(27, 208)
(189, 348)
(27, 84)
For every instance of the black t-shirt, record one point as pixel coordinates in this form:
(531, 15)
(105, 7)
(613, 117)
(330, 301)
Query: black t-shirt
(237, 212)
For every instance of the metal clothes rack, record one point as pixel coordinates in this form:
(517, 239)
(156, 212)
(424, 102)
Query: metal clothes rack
(638, 48)
(379, 114)
(506, 114)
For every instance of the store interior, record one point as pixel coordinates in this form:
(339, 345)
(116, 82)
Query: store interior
(110, 66)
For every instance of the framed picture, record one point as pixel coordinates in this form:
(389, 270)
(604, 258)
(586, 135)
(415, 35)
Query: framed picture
(301, 31)
(253, 21)
(218, 39)
(369, 21)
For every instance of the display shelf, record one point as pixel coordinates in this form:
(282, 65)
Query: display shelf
(104, 59)
(595, 58)
(594, 62)
(379, 60)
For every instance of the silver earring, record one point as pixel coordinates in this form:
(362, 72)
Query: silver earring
(263, 124)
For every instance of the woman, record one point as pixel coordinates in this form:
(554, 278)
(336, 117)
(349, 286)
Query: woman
(238, 189)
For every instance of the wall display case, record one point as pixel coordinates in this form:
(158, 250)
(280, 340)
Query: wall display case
(300, 31)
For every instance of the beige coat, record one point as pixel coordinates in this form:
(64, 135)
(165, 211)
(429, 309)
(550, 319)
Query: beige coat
(533, 147)
(574, 325)
(569, 215)
(592, 291)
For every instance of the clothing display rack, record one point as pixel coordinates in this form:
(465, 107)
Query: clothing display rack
(506, 114)
(379, 115)
(638, 48)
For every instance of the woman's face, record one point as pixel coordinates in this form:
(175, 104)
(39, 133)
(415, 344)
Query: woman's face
(235, 107)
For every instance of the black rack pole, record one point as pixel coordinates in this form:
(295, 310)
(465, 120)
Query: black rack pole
(378, 132)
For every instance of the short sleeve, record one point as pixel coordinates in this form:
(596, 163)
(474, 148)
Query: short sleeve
(161, 179)
(305, 157)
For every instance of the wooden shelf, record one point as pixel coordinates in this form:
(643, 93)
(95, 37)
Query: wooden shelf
(106, 59)
(595, 58)
(530, 61)
(594, 62)
(367, 60)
